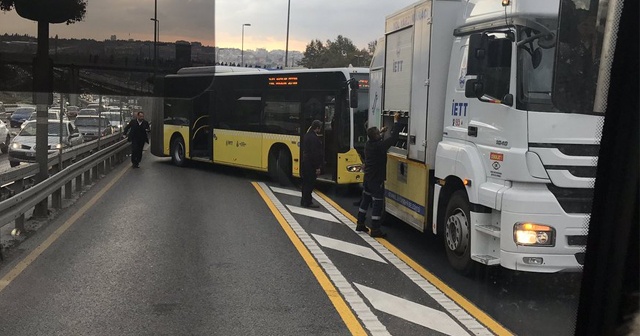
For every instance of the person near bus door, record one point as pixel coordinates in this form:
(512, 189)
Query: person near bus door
(136, 131)
(312, 159)
(375, 172)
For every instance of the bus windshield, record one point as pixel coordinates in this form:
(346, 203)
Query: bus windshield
(360, 114)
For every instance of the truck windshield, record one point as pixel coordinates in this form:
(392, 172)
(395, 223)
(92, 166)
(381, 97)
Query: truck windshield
(535, 67)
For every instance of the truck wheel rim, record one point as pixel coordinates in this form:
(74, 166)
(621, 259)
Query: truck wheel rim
(457, 232)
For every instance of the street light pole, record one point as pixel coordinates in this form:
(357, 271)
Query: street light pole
(155, 37)
(242, 48)
(286, 49)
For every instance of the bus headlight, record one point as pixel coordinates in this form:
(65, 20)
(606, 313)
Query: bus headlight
(530, 234)
(354, 168)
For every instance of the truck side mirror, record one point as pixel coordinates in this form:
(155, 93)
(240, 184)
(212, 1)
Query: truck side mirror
(353, 93)
(474, 89)
(476, 54)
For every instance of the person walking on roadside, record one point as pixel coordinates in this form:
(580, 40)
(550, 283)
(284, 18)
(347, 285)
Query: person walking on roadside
(312, 159)
(136, 132)
(375, 172)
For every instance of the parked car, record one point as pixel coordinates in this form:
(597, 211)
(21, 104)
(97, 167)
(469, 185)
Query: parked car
(116, 119)
(20, 115)
(87, 112)
(93, 127)
(23, 146)
(72, 111)
(5, 137)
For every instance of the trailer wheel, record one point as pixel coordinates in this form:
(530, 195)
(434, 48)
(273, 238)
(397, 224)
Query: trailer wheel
(457, 232)
(178, 152)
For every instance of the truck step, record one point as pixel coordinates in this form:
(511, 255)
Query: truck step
(489, 229)
(486, 259)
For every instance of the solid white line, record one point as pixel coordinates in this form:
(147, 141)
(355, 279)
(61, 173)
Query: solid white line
(312, 213)
(342, 246)
(453, 308)
(286, 191)
(411, 311)
(369, 320)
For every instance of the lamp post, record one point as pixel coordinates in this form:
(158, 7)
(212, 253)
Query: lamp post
(286, 48)
(156, 33)
(155, 37)
(242, 49)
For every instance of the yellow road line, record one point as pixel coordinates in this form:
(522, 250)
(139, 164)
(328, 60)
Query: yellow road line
(472, 309)
(24, 263)
(338, 302)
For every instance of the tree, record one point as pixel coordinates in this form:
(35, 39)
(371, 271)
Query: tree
(338, 53)
(50, 11)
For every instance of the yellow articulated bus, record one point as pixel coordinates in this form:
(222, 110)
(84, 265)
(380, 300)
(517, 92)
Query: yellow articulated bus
(255, 119)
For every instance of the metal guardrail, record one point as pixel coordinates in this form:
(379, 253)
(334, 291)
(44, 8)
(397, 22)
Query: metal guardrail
(71, 153)
(85, 172)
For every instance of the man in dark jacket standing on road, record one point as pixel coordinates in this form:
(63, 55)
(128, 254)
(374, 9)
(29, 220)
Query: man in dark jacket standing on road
(312, 159)
(375, 171)
(137, 130)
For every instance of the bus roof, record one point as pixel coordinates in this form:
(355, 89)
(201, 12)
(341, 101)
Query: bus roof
(217, 69)
(208, 71)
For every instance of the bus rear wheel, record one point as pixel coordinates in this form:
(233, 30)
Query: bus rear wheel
(457, 233)
(280, 166)
(178, 152)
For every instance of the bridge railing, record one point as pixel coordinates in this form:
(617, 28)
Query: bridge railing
(81, 165)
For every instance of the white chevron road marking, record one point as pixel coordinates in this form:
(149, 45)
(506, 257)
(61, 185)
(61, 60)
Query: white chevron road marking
(342, 246)
(312, 213)
(411, 311)
(286, 191)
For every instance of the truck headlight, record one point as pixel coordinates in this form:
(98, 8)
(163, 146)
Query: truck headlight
(58, 146)
(530, 234)
(354, 168)
(16, 145)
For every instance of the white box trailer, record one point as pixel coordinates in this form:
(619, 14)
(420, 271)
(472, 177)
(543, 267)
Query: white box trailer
(485, 158)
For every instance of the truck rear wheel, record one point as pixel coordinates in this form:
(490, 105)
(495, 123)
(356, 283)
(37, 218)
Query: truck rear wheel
(457, 232)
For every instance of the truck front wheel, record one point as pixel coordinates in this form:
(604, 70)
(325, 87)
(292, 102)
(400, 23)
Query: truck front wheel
(457, 232)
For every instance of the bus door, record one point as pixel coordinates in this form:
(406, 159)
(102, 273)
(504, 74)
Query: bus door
(319, 105)
(201, 131)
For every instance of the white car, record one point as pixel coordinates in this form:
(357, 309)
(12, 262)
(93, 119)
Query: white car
(5, 137)
(23, 146)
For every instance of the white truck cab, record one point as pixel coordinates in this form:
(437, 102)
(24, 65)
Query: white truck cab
(487, 159)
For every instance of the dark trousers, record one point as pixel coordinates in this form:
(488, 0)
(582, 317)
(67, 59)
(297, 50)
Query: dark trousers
(373, 192)
(308, 184)
(136, 151)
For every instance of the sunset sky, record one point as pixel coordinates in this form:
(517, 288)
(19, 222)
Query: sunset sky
(360, 20)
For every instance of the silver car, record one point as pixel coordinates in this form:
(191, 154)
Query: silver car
(23, 146)
(5, 137)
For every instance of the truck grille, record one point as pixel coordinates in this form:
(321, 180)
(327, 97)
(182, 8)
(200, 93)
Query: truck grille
(573, 200)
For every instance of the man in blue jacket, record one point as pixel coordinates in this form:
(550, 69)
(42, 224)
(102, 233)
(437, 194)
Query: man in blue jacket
(375, 172)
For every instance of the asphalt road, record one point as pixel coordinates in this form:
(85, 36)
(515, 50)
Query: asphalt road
(196, 250)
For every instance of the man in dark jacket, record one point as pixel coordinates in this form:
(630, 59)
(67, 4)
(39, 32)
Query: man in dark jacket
(136, 131)
(375, 172)
(312, 159)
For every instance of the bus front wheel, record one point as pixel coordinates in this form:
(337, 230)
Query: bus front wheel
(457, 232)
(178, 152)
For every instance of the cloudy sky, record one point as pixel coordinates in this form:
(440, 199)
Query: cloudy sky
(360, 20)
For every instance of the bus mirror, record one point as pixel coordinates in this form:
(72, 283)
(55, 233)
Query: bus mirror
(353, 93)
